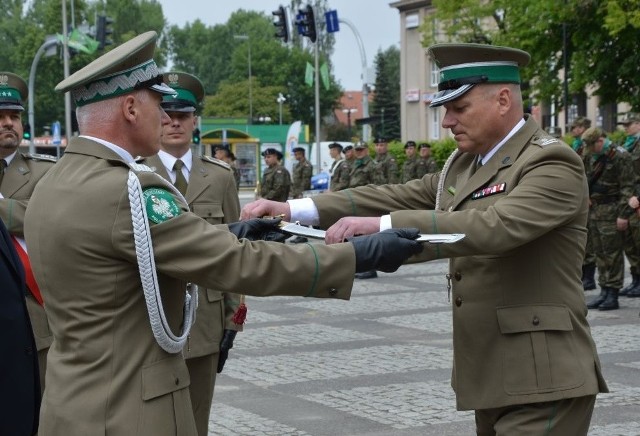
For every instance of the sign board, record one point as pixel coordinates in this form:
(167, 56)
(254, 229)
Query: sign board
(331, 17)
(55, 127)
(412, 95)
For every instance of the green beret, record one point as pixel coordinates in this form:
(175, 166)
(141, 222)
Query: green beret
(13, 91)
(189, 92)
(464, 65)
(126, 68)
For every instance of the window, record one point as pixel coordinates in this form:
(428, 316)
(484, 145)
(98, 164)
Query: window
(434, 123)
(435, 75)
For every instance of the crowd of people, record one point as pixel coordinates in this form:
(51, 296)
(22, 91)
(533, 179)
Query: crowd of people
(133, 292)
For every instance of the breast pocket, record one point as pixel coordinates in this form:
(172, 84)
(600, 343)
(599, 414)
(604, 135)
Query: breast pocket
(212, 212)
(538, 349)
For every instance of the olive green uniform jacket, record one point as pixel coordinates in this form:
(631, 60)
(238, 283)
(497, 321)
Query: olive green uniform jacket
(106, 374)
(276, 183)
(520, 333)
(211, 195)
(18, 183)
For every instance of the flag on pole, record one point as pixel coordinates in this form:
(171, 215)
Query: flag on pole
(80, 42)
(308, 74)
(324, 75)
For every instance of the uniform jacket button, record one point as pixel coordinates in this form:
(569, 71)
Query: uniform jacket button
(535, 320)
(177, 381)
(333, 291)
(458, 301)
(457, 276)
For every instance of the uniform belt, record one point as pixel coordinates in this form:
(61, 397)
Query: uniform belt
(605, 200)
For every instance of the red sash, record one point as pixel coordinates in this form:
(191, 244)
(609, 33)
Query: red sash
(31, 280)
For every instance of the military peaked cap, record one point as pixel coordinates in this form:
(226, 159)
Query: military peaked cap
(629, 117)
(464, 65)
(189, 92)
(124, 69)
(13, 92)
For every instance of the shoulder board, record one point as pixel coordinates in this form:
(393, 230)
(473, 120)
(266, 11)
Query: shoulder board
(138, 167)
(36, 156)
(218, 162)
(543, 141)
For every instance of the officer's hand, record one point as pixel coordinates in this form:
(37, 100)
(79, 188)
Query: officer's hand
(225, 345)
(265, 229)
(350, 226)
(262, 207)
(385, 251)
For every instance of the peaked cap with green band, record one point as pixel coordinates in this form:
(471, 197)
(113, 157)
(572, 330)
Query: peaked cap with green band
(13, 91)
(189, 92)
(464, 65)
(126, 68)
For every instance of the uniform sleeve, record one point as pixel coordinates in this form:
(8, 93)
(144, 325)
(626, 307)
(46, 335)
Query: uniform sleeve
(231, 211)
(12, 213)
(307, 172)
(626, 180)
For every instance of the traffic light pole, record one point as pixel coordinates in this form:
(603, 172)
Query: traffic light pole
(317, 110)
(65, 56)
(32, 79)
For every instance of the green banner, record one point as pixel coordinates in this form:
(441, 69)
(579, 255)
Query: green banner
(80, 42)
(324, 75)
(308, 74)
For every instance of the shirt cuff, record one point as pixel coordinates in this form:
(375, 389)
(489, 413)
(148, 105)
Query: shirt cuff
(304, 210)
(385, 222)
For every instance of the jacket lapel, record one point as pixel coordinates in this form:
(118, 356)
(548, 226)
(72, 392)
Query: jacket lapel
(198, 180)
(16, 176)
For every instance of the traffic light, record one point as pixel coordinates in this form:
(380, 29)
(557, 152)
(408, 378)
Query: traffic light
(26, 132)
(195, 136)
(281, 23)
(306, 23)
(103, 31)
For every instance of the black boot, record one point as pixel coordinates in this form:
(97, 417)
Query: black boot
(633, 286)
(611, 303)
(588, 273)
(596, 302)
(635, 292)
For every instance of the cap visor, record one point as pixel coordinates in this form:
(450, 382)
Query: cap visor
(449, 94)
(177, 108)
(11, 107)
(163, 89)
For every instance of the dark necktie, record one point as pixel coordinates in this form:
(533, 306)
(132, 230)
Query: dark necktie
(3, 166)
(181, 182)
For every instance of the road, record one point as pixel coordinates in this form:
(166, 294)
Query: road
(380, 364)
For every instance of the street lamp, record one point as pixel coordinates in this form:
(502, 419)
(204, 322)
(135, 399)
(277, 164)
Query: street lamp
(246, 38)
(281, 99)
(349, 111)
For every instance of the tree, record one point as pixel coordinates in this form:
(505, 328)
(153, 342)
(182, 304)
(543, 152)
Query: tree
(601, 41)
(386, 99)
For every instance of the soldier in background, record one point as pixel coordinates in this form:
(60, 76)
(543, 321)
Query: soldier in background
(363, 173)
(342, 172)
(611, 184)
(276, 181)
(386, 168)
(335, 150)
(577, 128)
(427, 164)
(302, 172)
(223, 153)
(410, 166)
(631, 123)
(19, 174)
(210, 190)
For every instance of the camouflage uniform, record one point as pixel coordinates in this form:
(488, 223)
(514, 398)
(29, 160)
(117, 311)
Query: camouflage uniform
(362, 172)
(609, 195)
(385, 170)
(302, 172)
(427, 166)
(276, 183)
(340, 175)
(632, 235)
(410, 169)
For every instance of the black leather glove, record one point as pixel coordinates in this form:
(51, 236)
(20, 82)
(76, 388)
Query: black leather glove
(225, 345)
(256, 229)
(385, 251)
